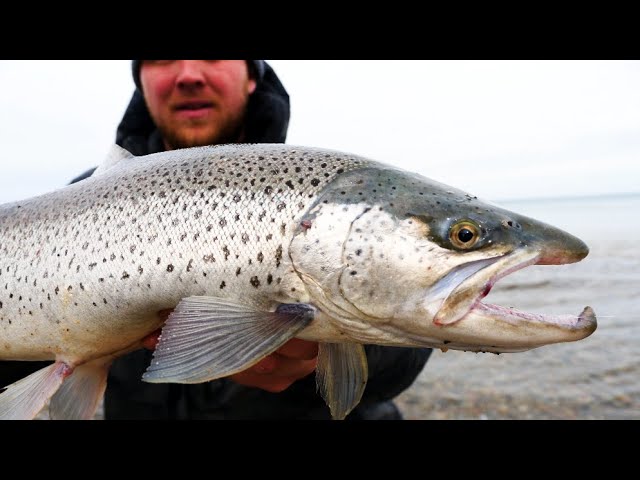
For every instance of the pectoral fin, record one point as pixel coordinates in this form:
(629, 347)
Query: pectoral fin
(206, 338)
(341, 375)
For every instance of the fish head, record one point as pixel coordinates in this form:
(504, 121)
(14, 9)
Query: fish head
(400, 259)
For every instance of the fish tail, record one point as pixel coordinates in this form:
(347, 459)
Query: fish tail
(24, 399)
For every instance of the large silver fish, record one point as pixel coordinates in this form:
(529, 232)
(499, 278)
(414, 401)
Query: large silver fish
(254, 245)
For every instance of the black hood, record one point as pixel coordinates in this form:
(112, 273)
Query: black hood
(267, 118)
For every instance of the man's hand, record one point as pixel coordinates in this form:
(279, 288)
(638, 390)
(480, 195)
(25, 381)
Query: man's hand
(294, 360)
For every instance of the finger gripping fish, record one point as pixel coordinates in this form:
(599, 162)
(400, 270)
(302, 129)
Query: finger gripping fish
(253, 245)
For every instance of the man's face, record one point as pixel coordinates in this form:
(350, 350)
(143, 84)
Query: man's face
(197, 102)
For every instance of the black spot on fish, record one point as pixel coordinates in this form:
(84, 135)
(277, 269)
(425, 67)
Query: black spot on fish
(170, 268)
(269, 279)
(260, 257)
(255, 282)
(238, 271)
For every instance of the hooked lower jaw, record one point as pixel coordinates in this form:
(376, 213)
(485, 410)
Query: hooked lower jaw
(585, 323)
(497, 329)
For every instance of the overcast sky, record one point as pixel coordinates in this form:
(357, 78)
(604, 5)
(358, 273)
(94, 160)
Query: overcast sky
(497, 129)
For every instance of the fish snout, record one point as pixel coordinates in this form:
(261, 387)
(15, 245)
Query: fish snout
(556, 246)
(563, 250)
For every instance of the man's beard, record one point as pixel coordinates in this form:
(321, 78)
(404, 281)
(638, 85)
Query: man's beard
(230, 132)
(175, 138)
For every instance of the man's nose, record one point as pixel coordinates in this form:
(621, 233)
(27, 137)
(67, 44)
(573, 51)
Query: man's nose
(190, 73)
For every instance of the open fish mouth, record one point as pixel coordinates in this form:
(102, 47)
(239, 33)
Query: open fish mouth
(498, 328)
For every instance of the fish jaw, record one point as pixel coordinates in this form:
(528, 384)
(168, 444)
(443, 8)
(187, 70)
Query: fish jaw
(484, 327)
(497, 329)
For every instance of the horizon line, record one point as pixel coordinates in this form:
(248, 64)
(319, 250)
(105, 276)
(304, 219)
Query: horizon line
(569, 197)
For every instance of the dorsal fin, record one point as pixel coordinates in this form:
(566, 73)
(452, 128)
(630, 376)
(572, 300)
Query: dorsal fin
(114, 157)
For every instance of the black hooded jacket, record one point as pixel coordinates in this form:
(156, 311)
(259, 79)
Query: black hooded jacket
(391, 369)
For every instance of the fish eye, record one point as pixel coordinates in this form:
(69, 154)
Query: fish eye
(464, 234)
